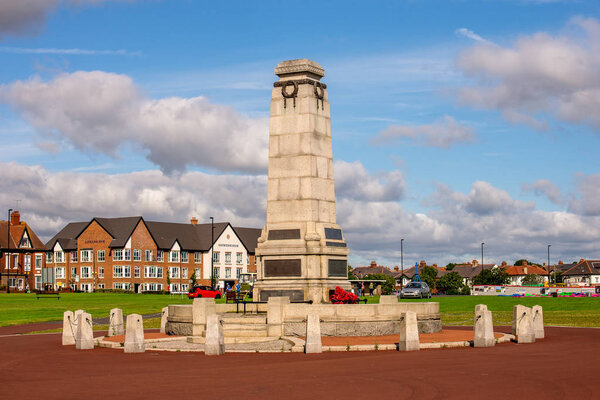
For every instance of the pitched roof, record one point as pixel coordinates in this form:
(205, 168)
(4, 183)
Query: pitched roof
(517, 270)
(584, 267)
(66, 237)
(411, 272)
(249, 237)
(190, 237)
(469, 271)
(16, 233)
(364, 271)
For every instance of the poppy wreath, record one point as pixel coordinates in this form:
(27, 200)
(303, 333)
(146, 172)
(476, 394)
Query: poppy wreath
(340, 296)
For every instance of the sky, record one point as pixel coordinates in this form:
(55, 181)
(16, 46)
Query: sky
(454, 123)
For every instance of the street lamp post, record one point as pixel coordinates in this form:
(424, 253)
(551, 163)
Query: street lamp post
(8, 252)
(402, 263)
(212, 253)
(549, 264)
(482, 256)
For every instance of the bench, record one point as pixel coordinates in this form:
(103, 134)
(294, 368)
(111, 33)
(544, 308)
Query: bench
(47, 294)
(362, 301)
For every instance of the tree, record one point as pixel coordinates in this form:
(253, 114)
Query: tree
(193, 279)
(428, 275)
(450, 266)
(351, 273)
(532, 279)
(388, 286)
(522, 261)
(493, 276)
(451, 283)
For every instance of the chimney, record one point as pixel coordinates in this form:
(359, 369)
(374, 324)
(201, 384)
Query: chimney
(475, 263)
(581, 260)
(396, 268)
(525, 270)
(560, 263)
(373, 264)
(15, 218)
(435, 266)
(503, 264)
(194, 221)
(422, 263)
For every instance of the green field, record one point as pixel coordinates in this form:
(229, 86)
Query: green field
(24, 308)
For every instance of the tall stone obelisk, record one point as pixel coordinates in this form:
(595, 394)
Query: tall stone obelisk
(302, 253)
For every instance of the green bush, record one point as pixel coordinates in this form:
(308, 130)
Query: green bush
(451, 283)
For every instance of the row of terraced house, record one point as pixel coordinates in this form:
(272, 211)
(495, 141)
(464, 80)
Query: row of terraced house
(128, 253)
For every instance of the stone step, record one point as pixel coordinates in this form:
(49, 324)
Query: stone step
(244, 327)
(244, 333)
(246, 320)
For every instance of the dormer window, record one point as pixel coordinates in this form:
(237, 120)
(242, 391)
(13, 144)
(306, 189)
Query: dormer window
(25, 242)
(173, 256)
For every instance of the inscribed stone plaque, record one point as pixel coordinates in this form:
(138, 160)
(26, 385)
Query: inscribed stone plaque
(335, 244)
(282, 268)
(338, 268)
(335, 234)
(284, 234)
(294, 295)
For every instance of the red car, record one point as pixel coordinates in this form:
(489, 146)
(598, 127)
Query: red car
(203, 291)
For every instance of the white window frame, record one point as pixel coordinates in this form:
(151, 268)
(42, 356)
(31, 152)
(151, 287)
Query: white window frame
(86, 272)
(117, 255)
(101, 272)
(148, 255)
(38, 261)
(74, 256)
(185, 256)
(27, 262)
(59, 272)
(174, 256)
(197, 257)
(228, 257)
(87, 255)
(136, 271)
(49, 257)
(59, 257)
(239, 257)
(174, 272)
(216, 256)
(101, 256)
(160, 255)
(137, 255)
(184, 273)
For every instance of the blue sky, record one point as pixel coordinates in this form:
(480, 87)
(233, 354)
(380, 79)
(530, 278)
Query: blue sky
(454, 122)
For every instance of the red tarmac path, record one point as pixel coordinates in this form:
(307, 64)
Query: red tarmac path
(563, 366)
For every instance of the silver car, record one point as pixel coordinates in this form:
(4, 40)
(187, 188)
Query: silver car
(415, 290)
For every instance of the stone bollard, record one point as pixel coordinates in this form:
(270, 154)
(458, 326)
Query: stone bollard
(409, 332)
(276, 315)
(484, 327)
(388, 299)
(201, 309)
(134, 334)
(523, 324)
(538, 321)
(76, 316)
(115, 326)
(69, 329)
(163, 319)
(215, 340)
(84, 338)
(313, 334)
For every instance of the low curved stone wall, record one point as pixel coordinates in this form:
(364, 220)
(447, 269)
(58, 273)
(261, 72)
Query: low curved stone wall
(337, 319)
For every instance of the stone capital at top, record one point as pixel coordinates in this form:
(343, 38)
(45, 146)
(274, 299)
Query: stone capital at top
(298, 69)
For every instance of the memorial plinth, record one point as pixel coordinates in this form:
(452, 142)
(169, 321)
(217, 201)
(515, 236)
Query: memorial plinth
(301, 253)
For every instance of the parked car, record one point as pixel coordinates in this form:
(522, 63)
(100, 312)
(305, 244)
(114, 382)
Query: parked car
(203, 291)
(415, 290)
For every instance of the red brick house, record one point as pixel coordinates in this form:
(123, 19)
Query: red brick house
(22, 260)
(133, 254)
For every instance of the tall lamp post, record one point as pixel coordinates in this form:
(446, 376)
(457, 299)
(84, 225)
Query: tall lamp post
(549, 264)
(402, 263)
(212, 253)
(482, 256)
(8, 251)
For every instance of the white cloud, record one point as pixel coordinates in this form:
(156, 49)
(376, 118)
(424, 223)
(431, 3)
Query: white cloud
(545, 188)
(101, 112)
(541, 75)
(28, 16)
(352, 181)
(472, 35)
(444, 133)
(588, 202)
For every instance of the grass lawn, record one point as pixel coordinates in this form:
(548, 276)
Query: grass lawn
(456, 310)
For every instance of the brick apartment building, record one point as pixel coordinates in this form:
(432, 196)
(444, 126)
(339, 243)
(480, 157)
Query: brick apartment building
(133, 254)
(22, 260)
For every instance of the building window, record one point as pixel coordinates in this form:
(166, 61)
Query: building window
(100, 272)
(127, 254)
(74, 256)
(27, 262)
(121, 285)
(238, 273)
(38, 261)
(121, 271)
(174, 272)
(12, 282)
(101, 256)
(48, 257)
(137, 255)
(148, 255)
(160, 255)
(227, 258)
(153, 287)
(15, 263)
(184, 272)
(216, 256)
(238, 258)
(184, 287)
(73, 272)
(38, 282)
(59, 256)
(197, 257)
(174, 287)
(184, 256)
(117, 255)
(227, 273)
(101, 286)
(173, 256)
(216, 272)
(86, 272)
(87, 255)
(24, 242)
(136, 271)
(197, 272)
(60, 272)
